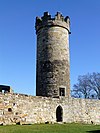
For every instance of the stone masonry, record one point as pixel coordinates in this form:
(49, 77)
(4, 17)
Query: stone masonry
(53, 102)
(52, 55)
(24, 109)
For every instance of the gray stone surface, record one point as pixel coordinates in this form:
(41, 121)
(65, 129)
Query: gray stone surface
(24, 109)
(52, 55)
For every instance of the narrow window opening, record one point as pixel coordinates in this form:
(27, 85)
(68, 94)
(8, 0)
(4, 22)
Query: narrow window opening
(62, 91)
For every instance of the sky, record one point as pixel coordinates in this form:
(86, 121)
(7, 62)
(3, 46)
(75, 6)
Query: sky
(18, 39)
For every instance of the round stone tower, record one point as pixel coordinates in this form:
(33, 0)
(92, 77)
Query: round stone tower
(53, 66)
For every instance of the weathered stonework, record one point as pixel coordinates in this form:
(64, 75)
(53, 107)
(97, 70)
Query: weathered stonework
(24, 109)
(52, 55)
(53, 102)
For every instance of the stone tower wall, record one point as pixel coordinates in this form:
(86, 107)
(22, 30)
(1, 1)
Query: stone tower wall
(52, 55)
(24, 109)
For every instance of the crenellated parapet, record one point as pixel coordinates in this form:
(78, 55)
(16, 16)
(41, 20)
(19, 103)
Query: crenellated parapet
(47, 21)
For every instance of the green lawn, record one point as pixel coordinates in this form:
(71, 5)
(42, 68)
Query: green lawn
(51, 128)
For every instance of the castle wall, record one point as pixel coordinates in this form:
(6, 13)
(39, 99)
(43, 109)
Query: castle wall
(24, 109)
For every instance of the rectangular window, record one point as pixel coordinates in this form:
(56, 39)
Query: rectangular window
(62, 91)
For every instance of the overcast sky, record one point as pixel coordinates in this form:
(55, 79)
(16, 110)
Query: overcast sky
(18, 39)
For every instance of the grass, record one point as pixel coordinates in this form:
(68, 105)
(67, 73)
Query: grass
(51, 128)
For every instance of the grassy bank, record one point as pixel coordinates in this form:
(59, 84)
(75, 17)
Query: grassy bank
(51, 128)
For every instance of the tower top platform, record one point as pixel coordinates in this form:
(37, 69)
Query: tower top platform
(46, 21)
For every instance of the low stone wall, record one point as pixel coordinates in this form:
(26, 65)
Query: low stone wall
(24, 109)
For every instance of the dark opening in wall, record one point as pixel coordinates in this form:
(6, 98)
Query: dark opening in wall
(59, 114)
(61, 91)
(16, 113)
(5, 89)
(14, 104)
(9, 110)
(54, 91)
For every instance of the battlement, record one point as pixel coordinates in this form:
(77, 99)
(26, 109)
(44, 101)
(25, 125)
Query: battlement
(47, 21)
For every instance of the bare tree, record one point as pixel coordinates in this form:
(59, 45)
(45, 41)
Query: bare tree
(88, 86)
(95, 83)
